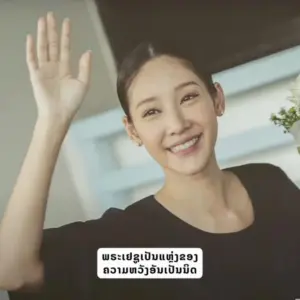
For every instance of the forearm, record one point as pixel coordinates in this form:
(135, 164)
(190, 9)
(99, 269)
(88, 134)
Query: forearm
(22, 225)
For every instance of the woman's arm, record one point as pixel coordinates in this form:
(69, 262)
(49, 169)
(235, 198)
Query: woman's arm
(22, 225)
(58, 97)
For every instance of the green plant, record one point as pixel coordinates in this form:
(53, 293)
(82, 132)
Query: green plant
(286, 117)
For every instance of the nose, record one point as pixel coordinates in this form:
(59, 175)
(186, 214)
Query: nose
(177, 123)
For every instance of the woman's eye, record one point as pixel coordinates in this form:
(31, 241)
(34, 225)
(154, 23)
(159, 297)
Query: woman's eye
(189, 97)
(150, 112)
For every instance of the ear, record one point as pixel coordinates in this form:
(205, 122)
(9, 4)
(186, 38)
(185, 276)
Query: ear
(131, 131)
(219, 100)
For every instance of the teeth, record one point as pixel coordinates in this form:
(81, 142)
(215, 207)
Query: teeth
(185, 145)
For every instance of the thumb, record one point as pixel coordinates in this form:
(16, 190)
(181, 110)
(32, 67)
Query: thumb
(84, 72)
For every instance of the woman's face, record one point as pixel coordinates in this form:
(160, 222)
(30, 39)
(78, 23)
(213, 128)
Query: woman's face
(174, 115)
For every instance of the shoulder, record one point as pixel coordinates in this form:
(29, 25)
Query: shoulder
(269, 179)
(263, 172)
(254, 168)
(113, 223)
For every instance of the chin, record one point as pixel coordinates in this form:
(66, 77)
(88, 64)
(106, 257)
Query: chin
(191, 170)
(191, 167)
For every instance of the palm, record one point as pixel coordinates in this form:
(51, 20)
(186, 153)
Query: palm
(55, 90)
(63, 93)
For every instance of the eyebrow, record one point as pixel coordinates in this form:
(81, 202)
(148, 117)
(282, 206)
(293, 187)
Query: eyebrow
(178, 87)
(184, 84)
(147, 100)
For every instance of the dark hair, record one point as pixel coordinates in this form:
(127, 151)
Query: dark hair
(140, 56)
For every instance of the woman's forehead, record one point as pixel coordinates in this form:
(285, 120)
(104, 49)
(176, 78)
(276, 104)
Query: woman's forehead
(159, 75)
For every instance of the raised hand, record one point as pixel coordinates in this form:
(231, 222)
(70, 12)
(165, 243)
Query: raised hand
(57, 93)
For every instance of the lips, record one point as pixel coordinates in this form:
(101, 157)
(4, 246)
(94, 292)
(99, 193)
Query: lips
(185, 145)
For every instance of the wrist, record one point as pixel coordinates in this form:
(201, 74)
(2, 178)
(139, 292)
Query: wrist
(54, 118)
(53, 122)
(51, 128)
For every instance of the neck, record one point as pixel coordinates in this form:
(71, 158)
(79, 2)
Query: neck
(204, 191)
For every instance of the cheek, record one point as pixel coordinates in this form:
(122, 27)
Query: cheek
(203, 112)
(151, 133)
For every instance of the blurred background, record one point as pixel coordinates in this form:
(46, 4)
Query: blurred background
(251, 48)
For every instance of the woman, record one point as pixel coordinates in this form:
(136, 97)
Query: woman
(245, 219)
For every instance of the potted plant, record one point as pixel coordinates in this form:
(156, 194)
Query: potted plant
(289, 118)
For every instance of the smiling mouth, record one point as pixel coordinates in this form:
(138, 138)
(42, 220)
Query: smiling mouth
(185, 146)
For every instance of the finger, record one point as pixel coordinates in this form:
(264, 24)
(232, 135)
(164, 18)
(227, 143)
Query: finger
(52, 37)
(30, 54)
(65, 47)
(84, 73)
(65, 43)
(42, 45)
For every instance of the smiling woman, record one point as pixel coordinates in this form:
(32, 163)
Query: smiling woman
(245, 218)
(170, 107)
